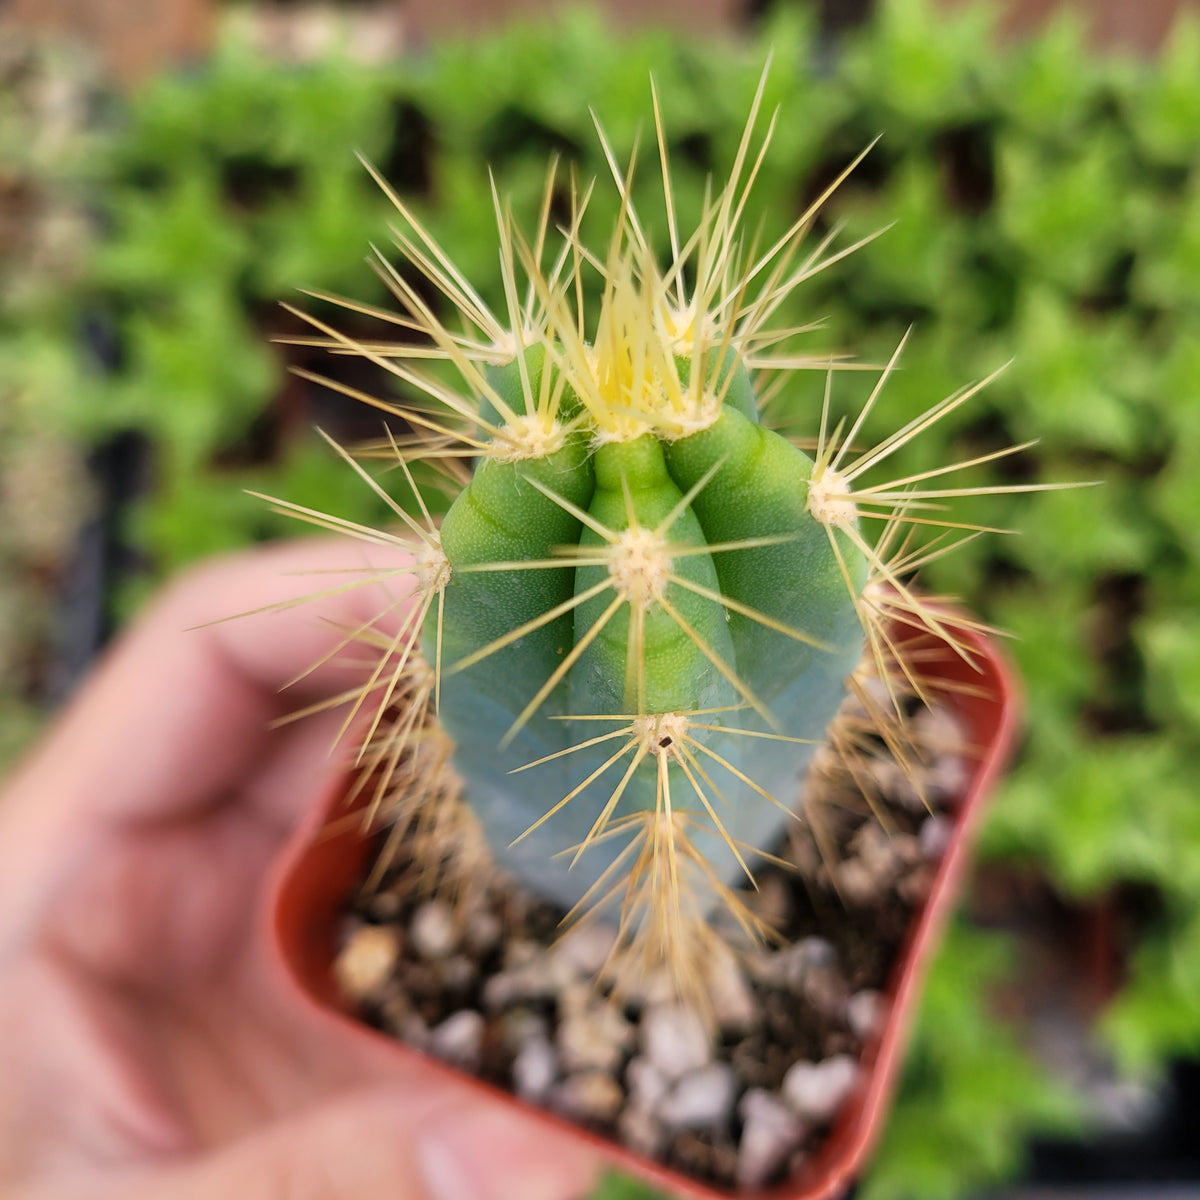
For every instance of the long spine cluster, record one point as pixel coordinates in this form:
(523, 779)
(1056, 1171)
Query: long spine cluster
(643, 610)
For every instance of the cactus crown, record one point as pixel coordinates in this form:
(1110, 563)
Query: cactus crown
(642, 612)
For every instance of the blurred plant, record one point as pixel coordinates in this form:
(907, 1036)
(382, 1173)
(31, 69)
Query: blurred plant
(1048, 209)
(45, 139)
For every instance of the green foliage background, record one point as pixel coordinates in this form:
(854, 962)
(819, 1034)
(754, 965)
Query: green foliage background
(1047, 209)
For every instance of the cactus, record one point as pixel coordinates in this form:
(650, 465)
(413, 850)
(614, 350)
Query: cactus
(643, 609)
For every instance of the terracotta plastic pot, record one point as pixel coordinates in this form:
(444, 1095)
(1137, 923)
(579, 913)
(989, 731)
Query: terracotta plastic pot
(325, 861)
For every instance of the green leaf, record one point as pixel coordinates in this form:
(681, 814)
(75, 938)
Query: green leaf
(1170, 646)
(1168, 267)
(1158, 1014)
(622, 1187)
(922, 64)
(1072, 377)
(968, 1095)
(1065, 212)
(1167, 113)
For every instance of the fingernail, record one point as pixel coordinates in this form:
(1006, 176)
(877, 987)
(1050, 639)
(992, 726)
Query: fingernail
(489, 1154)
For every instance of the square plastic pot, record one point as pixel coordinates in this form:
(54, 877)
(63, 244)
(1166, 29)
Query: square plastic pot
(322, 866)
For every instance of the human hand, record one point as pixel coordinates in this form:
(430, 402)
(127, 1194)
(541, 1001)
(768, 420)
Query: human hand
(147, 1045)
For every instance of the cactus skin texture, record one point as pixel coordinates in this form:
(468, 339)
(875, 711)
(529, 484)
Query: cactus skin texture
(643, 609)
(752, 642)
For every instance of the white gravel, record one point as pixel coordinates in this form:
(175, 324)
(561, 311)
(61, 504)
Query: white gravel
(535, 1070)
(674, 1039)
(459, 1039)
(701, 1100)
(865, 1012)
(433, 930)
(815, 1091)
(593, 1096)
(771, 1132)
(648, 1086)
(597, 1038)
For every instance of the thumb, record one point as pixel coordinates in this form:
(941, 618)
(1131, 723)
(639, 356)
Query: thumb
(390, 1144)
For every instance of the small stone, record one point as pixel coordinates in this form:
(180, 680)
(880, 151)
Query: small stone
(947, 779)
(414, 1032)
(482, 932)
(878, 692)
(434, 934)
(458, 974)
(658, 987)
(536, 979)
(934, 838)
(701, 1100)
(459, 1039)
(585, 949)
(815, 1091)
(826, 763)
(772, 900)
(702, 1156)
(395, 1007)
(521, 1025)
(803, 854)
(870, 843)
(817, 952)
(384, 906)
(856, 883)
(827, 991)
(595, 1039)
(674, 1039)
(733, 1001)
(535, 1070)
(939, 731)
(648, 1086)
(574, 996)
(771, 1134)
(367, 961)
(864, 1013)
(943, 741)
(878, 851)
(507, 988)
(638, 1129)
(521, 953)
(907, 851)
(789, 966)
(892, 782)
(914, 887)
(797, 1163)
(642, 989)
(515, 987)
(421, 981)
(928, 784)
(593, 1096)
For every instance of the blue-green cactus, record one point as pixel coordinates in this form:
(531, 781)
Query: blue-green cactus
(629, 611)
(639, 617)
